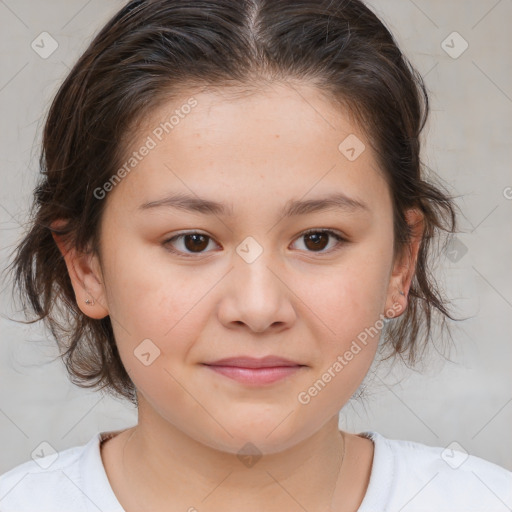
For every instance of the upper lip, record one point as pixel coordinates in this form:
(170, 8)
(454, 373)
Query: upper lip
(254, 362)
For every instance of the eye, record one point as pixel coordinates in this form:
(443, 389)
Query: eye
(193, 241)
(316, 240)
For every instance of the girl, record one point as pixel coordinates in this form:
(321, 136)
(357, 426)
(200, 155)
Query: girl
(233, 209)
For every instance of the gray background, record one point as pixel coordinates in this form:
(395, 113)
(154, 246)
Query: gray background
(467, 143)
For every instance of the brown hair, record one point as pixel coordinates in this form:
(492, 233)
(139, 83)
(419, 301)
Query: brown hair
(153, 50)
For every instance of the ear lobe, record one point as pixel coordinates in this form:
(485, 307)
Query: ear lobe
(85, 274)
(405, 266)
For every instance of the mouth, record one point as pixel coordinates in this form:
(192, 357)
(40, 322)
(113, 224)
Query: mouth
(255, 371)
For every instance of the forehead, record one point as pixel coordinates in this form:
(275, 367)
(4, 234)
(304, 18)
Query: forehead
(278, 142)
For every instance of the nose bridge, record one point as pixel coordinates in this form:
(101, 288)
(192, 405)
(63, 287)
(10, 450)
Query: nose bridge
(253, 267)
(257, 295)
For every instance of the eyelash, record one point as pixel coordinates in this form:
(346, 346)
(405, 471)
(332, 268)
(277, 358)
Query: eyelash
(340, 241)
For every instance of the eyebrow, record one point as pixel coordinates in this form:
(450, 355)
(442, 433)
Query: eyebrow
(195, 204)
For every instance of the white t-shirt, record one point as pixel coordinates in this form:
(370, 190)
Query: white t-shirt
(406, 476)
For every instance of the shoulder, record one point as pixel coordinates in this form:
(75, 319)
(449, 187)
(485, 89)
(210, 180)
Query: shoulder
(49, 482)
(443, 478)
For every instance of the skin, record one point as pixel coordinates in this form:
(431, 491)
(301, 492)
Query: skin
(253, 152)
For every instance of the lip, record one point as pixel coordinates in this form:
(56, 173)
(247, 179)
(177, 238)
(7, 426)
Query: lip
(254, 362)
(255, 371)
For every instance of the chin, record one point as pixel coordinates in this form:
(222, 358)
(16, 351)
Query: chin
(261, 434)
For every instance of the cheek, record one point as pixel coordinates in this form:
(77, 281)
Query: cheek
(344, 309)
(149, 295)
(345, 319)
(156, 310)
(347, 297)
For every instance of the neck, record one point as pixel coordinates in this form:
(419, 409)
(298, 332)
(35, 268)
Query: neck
(164, 466)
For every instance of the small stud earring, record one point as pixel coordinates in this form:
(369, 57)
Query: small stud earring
(87, 301)
(400, 292)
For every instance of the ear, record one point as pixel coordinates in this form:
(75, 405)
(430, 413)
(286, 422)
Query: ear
(85, 273)
(405, 266)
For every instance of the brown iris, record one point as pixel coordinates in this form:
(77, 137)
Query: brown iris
(197, 243)
(319, 240)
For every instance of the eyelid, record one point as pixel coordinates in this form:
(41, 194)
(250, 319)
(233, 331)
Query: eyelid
(338, 235)
(178, 235)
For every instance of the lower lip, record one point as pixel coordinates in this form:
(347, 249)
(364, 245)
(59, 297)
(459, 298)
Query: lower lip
(256, 376)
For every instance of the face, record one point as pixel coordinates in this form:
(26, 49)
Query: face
(255, 275)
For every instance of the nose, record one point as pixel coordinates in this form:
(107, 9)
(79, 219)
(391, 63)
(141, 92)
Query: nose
(257, 295)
